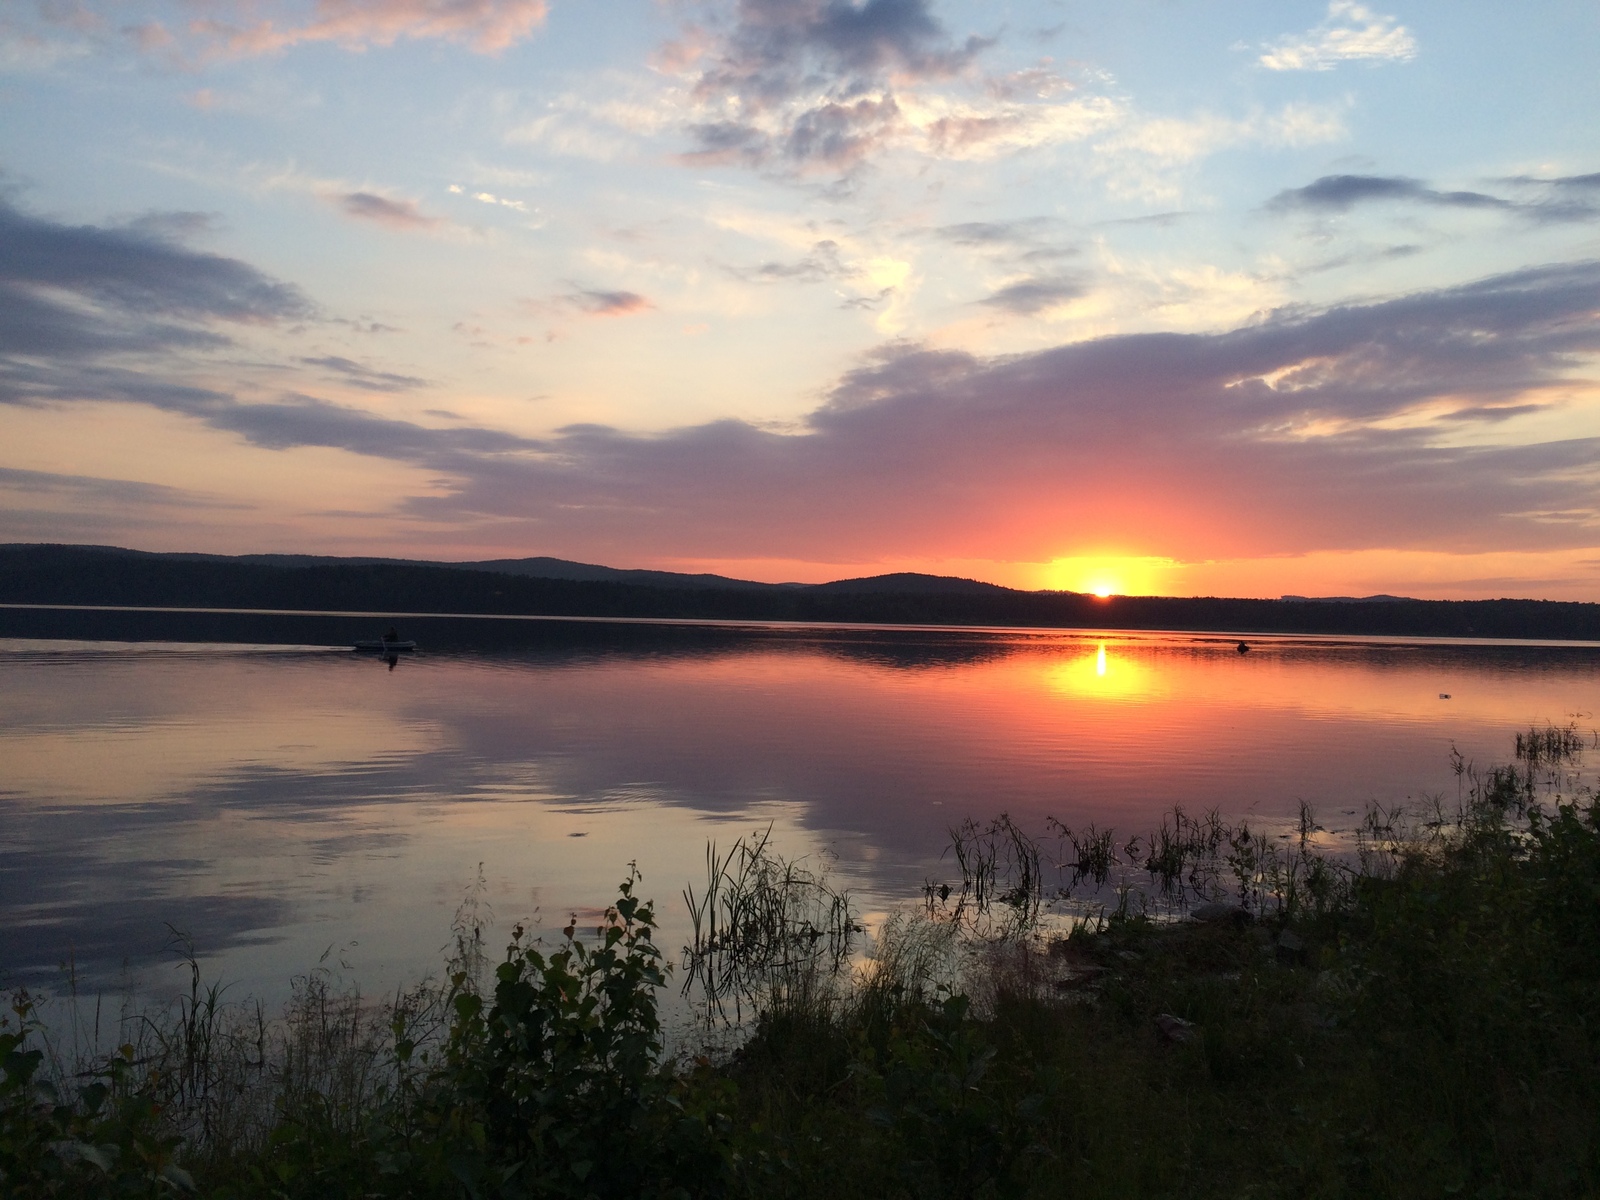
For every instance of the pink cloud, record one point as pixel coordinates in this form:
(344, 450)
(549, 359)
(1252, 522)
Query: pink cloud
(610, 304)
(487, 26)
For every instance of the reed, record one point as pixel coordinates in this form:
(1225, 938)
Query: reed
(763, 927)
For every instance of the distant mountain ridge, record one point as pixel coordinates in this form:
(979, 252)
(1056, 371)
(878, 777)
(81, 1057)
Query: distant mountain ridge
(542, 567)
(38, 576)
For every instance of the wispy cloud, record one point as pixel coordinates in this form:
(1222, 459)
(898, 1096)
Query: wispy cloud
(487, 26)
(1563, 198)
(84, 289)
(357, 375)
(1149, 156)
(1351, 32)
(1340, 193)
(1545, 201)
(1028, 297)
(608, 303)
(396, 214)
(233, 29)
(1174, 140)
(98, 490)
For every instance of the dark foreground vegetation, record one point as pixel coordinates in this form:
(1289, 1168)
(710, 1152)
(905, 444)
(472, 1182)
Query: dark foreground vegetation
(85, 575)
(1206, 1010)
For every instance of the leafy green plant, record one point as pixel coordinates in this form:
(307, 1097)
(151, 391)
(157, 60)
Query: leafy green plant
(102, 1139)
(559, 1073)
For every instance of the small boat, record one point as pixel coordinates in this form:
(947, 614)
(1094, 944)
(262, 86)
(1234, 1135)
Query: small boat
(385, 645)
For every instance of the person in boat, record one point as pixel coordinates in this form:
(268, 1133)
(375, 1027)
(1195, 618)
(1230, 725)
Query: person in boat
(393, 635)
(1244, 647)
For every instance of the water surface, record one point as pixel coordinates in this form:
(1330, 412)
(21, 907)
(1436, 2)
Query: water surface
(281, 805)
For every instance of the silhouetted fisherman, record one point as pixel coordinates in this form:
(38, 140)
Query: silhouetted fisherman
(394, 635)
(1244, 647)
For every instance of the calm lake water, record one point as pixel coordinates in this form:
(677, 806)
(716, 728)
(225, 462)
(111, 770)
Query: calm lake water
(285, 805)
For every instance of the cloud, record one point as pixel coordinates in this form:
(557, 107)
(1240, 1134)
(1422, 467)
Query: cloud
(355, 374)
(1028, 297)
(608, 304)
(1388, 424)
(1330, 429)
(232, 29)
(981, 127)
(990, 233)
(1565, 198)
(825, 260)
(1340, 193)
(1351, 32)
(134, 266)
(1586, 183)
(841, 134)
(98, 314)
(777, 48)
(1029, 243)
(1571, 198)
(1148, 156)
(299, 420)
(85, 289)
(813, 82)
(486, 26)
(396, 214)
(121, 492)
(1175, 140)
(174, 226)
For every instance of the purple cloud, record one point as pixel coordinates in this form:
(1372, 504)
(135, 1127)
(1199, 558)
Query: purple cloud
(396, 214)
(821, 74)
(1266, 439)
(609, 303)
(1340, 193)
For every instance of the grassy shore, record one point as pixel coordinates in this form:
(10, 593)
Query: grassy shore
(1201, 1011)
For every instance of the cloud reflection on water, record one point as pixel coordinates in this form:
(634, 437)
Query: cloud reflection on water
(278, 805)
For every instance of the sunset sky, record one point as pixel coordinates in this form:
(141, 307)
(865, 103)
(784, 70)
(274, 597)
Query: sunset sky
(1181, 296)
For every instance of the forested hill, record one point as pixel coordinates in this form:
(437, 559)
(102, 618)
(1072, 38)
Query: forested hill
(79, 575)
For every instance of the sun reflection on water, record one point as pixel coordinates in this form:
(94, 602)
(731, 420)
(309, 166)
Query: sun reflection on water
(1106, 673)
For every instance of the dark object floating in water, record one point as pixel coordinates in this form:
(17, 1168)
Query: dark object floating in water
(1444, 695)
(1244, 647)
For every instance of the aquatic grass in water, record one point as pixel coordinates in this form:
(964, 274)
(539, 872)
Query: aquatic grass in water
(1001, 879)
(762, 926)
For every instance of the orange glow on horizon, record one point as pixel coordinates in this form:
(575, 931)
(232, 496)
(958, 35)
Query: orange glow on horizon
(1571, 574)
(1109, 575)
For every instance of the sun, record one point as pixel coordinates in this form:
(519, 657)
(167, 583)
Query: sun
(1107, 575)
